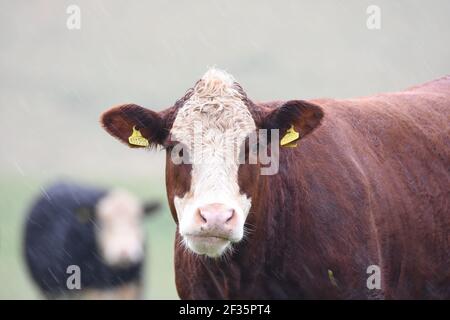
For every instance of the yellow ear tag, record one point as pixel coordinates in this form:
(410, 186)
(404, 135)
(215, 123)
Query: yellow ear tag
(290, 137)
(332, 279)
(137, 139)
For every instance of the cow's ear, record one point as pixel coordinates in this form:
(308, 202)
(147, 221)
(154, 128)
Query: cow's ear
(84, 214)
(134, 125)
(301, 116)
(150, 207)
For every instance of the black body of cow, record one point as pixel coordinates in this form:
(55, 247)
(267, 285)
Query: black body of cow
(55, 239)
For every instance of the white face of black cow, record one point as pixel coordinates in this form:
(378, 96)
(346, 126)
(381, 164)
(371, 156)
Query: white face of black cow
(212, 126)
(120, 235)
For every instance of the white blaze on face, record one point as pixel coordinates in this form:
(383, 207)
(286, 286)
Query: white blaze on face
(120, 236)
(213, 125)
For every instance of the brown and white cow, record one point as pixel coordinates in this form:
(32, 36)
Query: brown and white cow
(368, 184)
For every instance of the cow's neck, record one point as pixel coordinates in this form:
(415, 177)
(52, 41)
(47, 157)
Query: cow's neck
(260, 256)
(260, 261)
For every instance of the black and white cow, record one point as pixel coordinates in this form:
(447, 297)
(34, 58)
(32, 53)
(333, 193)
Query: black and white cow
(98, 233)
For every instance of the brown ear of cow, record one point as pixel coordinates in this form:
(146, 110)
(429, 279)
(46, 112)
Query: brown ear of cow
(119, 122)
(303, 115)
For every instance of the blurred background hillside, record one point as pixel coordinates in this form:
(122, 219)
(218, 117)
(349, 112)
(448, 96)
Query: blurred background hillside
(55, 82)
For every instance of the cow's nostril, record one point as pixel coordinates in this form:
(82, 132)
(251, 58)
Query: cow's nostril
(231, 216)
(214, 215)
(202, 217)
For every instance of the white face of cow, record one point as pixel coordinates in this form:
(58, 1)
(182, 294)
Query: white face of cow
(211, 122)
(212, 126)
(119, 234)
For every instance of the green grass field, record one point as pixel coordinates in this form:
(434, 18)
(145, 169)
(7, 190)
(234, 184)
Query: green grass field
(18, 192)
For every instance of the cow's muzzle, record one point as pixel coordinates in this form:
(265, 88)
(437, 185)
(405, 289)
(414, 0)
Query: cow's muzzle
(215, 228)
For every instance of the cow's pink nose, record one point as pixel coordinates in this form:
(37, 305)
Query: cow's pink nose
(216, 214)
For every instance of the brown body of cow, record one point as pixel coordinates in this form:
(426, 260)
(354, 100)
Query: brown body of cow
(369, 186)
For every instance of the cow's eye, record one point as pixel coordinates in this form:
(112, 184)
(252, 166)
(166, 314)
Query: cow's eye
(168, 146)
(84, 214)
(183, 153)
(178, 153)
